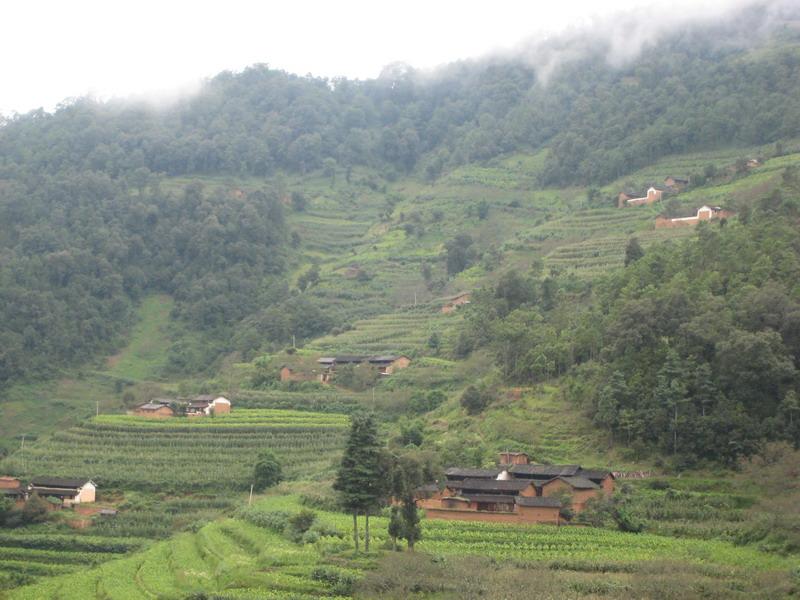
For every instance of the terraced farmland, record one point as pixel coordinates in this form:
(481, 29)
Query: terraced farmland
(595, 256)
(398, 332)
(230, 557)
(235, 558)
(185, 454)
(27, 556)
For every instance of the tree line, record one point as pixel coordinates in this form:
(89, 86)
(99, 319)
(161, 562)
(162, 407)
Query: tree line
(731, 82)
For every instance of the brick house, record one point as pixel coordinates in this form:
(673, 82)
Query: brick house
(704, 213)
(154, 409)
(12, 488)
(452, 304)
(206, 404)
(385, 364)
(675, 183)
(519, 493)
(69, 491)
(651, 196)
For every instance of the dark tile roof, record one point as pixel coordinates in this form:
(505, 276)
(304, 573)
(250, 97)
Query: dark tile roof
(580, 483)
(511, 485)
(594, 474)
(204, 398)
(152, 406)
(472, 473)
(59, 482)
(538, 501)
(18, 491)
(58, 492)
(548, 471)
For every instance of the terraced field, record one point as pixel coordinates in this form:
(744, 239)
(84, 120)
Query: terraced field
(595, 256)
(27, 556)
(230, 557)
(235, 558)
(185, 454)
(399, 332)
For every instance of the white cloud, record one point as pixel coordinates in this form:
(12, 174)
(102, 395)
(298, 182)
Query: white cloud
(53, 50)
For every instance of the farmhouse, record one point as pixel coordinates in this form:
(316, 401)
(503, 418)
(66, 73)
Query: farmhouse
(69, 491)
(206, 404)
(12, 488)
(515, 492)
(453, 303)
(384, 364)
(154, 409)
(704, 213)
(675, 183)
(626, 199)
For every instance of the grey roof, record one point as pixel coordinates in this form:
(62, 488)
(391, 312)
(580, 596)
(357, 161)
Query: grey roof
(509, 485)
(58, 492)
(594, 473)
(59, 482)
(152, 406)
(472, 473)
(204, 398)
(17, 491)
(548, 471)
(538, 501)
(356, 359)
(580, 483)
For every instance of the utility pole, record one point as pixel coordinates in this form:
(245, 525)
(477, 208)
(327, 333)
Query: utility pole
(415, 297)
(97, 408)
(250, 501)
(22, 451)
(294, 345)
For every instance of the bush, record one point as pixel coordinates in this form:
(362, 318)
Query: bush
(475, 400)
(267, 471)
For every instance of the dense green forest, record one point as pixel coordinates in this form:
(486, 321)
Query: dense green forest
(692, 349)
(80, 248)
(86, 228)
(709, 85)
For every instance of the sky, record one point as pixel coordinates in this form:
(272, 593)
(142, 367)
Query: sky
(51, 51)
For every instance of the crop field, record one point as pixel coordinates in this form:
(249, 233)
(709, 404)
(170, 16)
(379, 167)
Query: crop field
(548, 543)
(237, 558)
(595, 256)
(185, 454)
(398, 332)
(29, 556)
(230, 557)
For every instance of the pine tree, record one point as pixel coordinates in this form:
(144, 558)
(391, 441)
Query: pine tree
(360, 480)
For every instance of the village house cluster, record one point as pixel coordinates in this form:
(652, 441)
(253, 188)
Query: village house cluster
(68, 492)
(383, 365)
(199, 406)
(673, 185)
(516, 491)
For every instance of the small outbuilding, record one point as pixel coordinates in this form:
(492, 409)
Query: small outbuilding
(154, 409)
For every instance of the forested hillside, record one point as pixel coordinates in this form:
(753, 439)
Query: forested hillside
(92, 216)
(692, 349)
(734, 82)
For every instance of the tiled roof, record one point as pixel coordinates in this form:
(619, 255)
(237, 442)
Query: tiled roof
(472, 473)
(538, 501)
(510, 485)
(545, 470)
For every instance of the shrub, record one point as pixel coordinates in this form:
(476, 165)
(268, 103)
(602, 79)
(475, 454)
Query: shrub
(267, 471)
